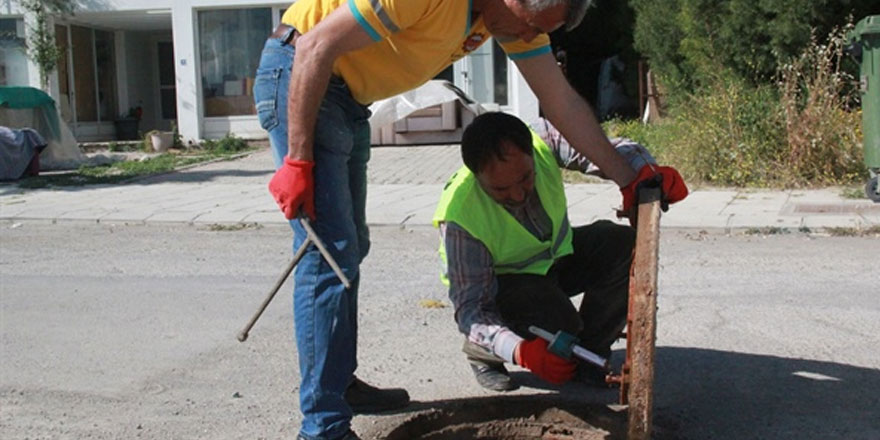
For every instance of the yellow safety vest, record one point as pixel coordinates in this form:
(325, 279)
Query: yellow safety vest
(514, 249)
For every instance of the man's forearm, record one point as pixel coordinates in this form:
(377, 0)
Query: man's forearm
(572, 116)
(308, 84)
(580, 127)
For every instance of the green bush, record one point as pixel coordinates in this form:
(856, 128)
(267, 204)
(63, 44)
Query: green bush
(688, 41)
(794, 133)
(730, 136)
(817, 103)
(228, 144)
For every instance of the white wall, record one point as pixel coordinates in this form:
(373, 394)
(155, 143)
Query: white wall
(124, 5)
(142, 88)
(190, 112)
(16, 63)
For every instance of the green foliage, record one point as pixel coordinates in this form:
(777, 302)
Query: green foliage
(793, 133)
(41, 41)
(657, 34)
(228, 144)
(177, 141)
(817, 106)
(728, 137)
(122, 172)
(688, 41)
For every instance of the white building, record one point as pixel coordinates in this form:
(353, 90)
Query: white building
(189, 61)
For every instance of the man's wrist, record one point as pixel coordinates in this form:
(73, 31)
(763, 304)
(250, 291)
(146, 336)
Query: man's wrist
(505, 345)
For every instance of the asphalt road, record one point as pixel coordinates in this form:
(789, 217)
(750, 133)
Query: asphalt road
(121, 331)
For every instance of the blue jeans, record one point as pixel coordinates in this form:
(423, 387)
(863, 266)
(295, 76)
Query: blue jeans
(325, 312)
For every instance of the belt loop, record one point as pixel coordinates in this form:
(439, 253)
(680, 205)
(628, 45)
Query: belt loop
(288, 36)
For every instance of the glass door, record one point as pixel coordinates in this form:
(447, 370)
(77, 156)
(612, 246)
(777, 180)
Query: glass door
(167, 83)
(483, 74)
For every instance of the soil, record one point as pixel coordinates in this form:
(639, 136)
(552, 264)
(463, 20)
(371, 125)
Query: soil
(507, 418)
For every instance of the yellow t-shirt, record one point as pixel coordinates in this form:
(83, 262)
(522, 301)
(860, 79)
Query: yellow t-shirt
(415, 40)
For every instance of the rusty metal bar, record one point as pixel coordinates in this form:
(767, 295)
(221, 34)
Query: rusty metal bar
(642, 317)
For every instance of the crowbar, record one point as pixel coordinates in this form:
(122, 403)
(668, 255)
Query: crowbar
(311, 237)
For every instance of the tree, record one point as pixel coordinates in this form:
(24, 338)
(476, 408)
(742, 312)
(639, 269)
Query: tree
(41, 41)
(690, 42)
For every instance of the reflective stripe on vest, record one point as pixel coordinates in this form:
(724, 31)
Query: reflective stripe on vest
(545, 255)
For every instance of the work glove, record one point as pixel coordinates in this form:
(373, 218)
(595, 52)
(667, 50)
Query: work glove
(673, 186)
(293, 187)
(548, 366)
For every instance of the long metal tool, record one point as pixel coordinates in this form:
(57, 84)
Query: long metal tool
(565, 346)
(311, 237)
(636, 378)
(642, 316)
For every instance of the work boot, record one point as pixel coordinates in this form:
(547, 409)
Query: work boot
(492, 376)
(364, 398)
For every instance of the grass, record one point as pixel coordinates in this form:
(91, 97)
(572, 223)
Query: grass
(834, 231)
(871, 231)
(121, 172)
(853, 192)
(216, 227)
(771, 230)
(571, 176)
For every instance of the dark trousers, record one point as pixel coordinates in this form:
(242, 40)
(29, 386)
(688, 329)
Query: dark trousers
(598, 268)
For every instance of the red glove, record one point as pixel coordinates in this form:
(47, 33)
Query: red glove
(293, 187)
(534, 356)
(674, 188)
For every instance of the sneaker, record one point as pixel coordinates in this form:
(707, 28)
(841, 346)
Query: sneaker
(364, 398)
(493, 376)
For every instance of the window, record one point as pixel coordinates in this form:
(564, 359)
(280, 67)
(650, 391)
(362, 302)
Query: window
(13, 55)
(230, 42)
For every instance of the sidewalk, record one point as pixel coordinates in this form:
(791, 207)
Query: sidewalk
(405, 184)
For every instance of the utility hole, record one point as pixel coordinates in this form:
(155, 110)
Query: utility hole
(518, 418)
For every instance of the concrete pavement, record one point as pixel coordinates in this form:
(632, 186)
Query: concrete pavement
(405, 184)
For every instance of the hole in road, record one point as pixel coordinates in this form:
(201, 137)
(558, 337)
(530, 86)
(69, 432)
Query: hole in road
(519, 418)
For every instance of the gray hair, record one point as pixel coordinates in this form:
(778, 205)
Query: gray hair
(576, 9)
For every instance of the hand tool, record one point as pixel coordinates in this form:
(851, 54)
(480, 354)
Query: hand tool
(564, 345)
(311, 237)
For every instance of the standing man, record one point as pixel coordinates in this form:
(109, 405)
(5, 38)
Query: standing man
(318, 72)
(512, 260)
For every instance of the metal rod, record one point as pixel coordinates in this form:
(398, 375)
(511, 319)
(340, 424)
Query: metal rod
(541, 333)
(580, 352)
(320, 245)
(589, 356)
(642, 322)
(243, 335)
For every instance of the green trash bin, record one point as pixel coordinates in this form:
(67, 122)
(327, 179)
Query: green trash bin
(865, 46)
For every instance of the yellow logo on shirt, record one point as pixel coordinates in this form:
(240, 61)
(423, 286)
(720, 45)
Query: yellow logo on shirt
(472, 42)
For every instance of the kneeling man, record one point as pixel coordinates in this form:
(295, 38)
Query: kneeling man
(512, 260)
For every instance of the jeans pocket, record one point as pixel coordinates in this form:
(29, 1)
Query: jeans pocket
(266, 96)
